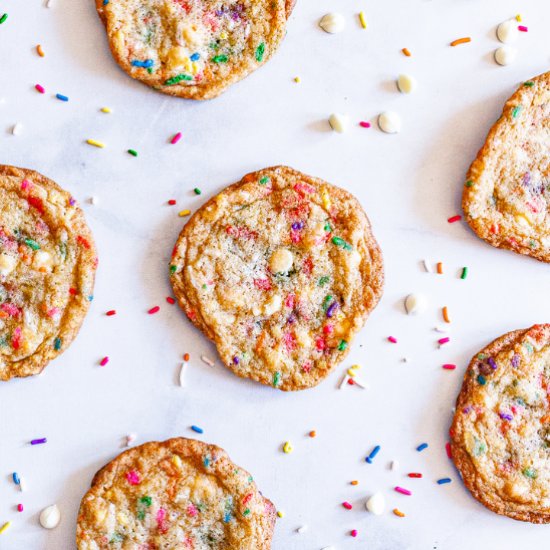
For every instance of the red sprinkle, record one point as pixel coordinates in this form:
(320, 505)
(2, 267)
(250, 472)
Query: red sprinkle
(347, 505)
(392, 339)
(448, 450)
(154, 310)
(353, 532)
(364, 124)
(171, 202)
(414, 474)
(522, 28)
(176, 138)
(454, 219)
(19, 507)
(449, 366)
(170, 300)
(111, 312)
(104, 361)
(350, 381)
(40, 88)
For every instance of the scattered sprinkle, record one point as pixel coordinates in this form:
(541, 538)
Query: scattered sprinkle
(362, 20)
(406, 52)
(353, 532)
(421, 447)
(448, 450)
(523, 28)
(313, 433)
(61, 97)
(464, 273)
(297, 79)
(364, 124)
(454, 219)
(449, 366)
(196, 429)
(197, 191)
(444, 480)
(394, 465)
(302, 529)
(445, 312)
(186, 357)
(175, 138)
(3, 18)
(372, 454)
(5, 527)
(347, 505)
(354, 482)
(40, 51)
(133, 152)
(40, 88)
(172, 202)
(343, 381)
(170, 300)
(207, 360)
(16, 479)
(181, 377)
(111, 312)
(16, 129)
(130, 438)
(392, 339)
(153, 310)
(95, 143)
(426, 265)
(442, 341)
(439, 268)
(104, 361)
(402, 491)
(458, 41)
(398, 513)
(106, 110)
(518, 18)
(415, 475)
(280, 513)
(184, 213)
(287, 447)
(20, 508)
(39, 441)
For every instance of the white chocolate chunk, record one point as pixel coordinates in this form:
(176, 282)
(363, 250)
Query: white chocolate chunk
(415, 304)
(376, 504)
(50, 517)
(389, 122)
(505, 55)
(406, 83)
(507, 31)
(332, 23)
(7, 264)
(339, 122)
(273, 305)
(281, 261)
(42, 259)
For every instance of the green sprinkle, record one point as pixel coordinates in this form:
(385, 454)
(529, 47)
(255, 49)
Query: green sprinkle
(32, 244)
(530, 472)
(529, 83)
(146, 500)
(528, 347)
(57, 344)
(469, 183)
(324, 280)
(481, 356)
(197, 191)
(516, 111)
(133, 152)
(276, 379)
(3, 18)
(340, 242)
(204, 287)
(176, 79)
(464, 273)
(150, 70)
(481, 380)
(264, 180)
(479, 447)
(326, 302)
(327, 227)
(260, 50)
(246, 512)
(532, 244)
(219, 59)
(173, 268)
(342, 345)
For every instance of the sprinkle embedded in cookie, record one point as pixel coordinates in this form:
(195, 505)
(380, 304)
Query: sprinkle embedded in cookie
(501, 429)
(280, 270)
(193, 48)
(178, 493)
(507, 192)
(47, 268)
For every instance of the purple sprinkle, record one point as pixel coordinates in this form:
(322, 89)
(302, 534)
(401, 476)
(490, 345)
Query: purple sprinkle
(331, 309)
(296, 226)
(39, 441)
(505, 416)
(526, 178)
(236, 360)
(72, 201)
(291, 319)
(466, 410)
(515, 361)
(492, 363)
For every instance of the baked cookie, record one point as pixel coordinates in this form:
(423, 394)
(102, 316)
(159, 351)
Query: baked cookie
(280, 270)
(506, 198)
(500, 437)
(193, 48)
(179, 493)
(47, 268)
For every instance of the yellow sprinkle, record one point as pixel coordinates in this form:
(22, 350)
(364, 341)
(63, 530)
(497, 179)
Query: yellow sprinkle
(362, 20)
(184, 213)
(39, 50)
(280, 513)
(326, 199)
(297, 79)
(106, 110)
(223, 35)
(518, 18)
(5, 527)
(351, 372)
(287, 447)
(95, 143)
(176, 461)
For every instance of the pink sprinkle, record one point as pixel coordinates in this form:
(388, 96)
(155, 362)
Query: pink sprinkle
(40, 88)
(176, 138)
(170, 300)
(347, 505)
(154, 310)
(448, 450)
(392, 339)
(53, 311)
(192, 510)
(353, 532)
(133, 478)
(25, 184)
(364, 124)
(19, 507)
(454, 219)
(522, 28)
(403, 491)
(442, 341)
(449, 366)
(104, 361)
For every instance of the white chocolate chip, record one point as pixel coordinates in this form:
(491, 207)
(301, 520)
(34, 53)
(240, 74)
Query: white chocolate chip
(406, 83)
(507, 31)
(7, 264)
(415, 304)
(332, 23)
(42, 259)
(50, 517)
(273, 305)
(505, 55)
(281, 261)
(376, 504)
(389, 122)
(339, 122)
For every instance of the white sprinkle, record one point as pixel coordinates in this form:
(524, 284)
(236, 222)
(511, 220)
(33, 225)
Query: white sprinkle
(339, 122)
(22, 484)
(376, 504)
(441, 328)
(389, 122)
(302, 529)
(17, 128)
(361, 383)
(343, 382)
(182, 374)
(207, 360)
(505, 55)
(426, 266)
(332, 23)
(415, 304)
(93, 200)
(394, 465)
(130, 438)
(50, 517)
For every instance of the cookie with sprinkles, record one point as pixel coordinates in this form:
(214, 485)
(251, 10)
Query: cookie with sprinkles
(193, 48)
(280, 270)
(179, 493)
(500, 437)
(47, 268)
(506, 197)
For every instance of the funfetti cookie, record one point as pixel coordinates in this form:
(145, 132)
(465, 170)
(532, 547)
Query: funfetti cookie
(280, 270)
(500, 437)
(506, 197)
(179, 493)
(47, 268)
(193, 48)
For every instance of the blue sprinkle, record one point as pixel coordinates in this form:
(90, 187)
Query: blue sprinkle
(481, 380)
(16, 479)
(105, 2)
(62, 97)
(422, 447)
(145, 64)
(227, 517)
(373, 453)
(195, 57)
(197, 429)
(90, 297)
(444, 480)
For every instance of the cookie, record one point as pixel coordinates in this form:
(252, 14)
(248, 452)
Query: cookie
(193, 48)
(47, 268)
(506, 197)
(500, 437)
(179, 493)
(280, 270)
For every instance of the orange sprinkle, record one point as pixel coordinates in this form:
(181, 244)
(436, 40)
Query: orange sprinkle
(39, 50)
(186, 357)
(354, 482)
(398, 513)
(406, 52)
(446, 315)
(464, 40)
(440, 268)
(313, 433)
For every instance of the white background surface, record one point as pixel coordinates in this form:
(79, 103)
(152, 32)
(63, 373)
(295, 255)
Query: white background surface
(408, 183)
